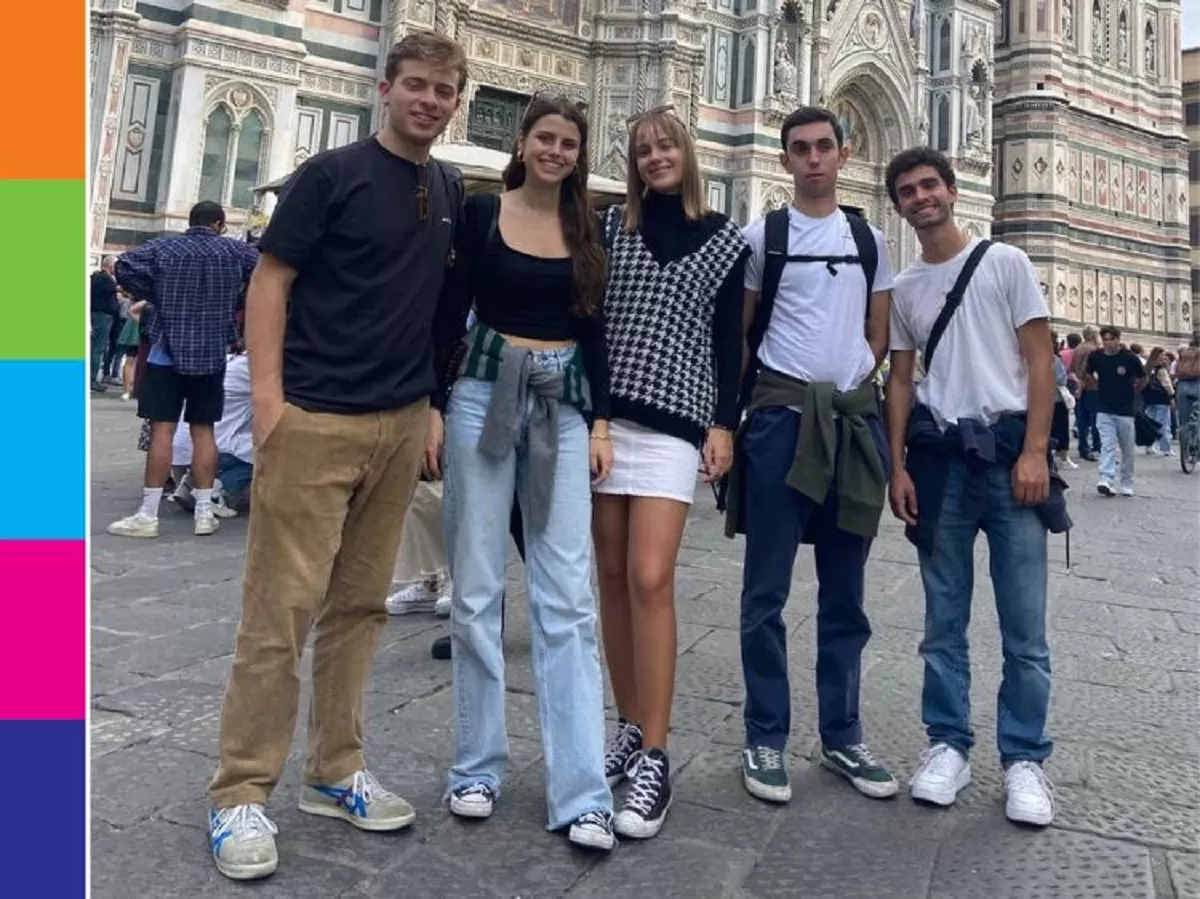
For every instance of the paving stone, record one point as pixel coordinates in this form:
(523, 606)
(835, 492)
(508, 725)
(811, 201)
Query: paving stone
(425, 873)
(156, 656)
(1124, 817)
(829, 840)
(130, 786)
(993, 859)
(679, 869)
(1185, 874)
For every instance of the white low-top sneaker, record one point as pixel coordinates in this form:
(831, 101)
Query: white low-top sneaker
(942, 774)
(136, 525)
(1028, 794)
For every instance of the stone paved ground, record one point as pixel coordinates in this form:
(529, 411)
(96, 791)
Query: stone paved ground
(1126, 626)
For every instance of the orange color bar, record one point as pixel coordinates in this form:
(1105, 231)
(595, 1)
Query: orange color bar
(43, 65)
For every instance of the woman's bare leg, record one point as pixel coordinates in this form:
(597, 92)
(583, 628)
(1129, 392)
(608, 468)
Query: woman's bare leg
(610, 533)
(655, 534)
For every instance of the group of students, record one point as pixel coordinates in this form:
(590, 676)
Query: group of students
(608, 360)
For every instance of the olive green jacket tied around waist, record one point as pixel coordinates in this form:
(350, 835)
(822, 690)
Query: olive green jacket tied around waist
(856, 466)
(490, 357)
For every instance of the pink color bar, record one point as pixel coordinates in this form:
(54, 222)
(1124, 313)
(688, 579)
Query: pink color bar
(43, 643)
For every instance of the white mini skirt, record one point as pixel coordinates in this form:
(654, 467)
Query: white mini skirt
(650, 463)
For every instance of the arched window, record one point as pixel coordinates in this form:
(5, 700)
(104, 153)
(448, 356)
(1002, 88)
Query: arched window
(235, 146)
(217, 132)
(249, 160)
(943, 123)
(944, 46)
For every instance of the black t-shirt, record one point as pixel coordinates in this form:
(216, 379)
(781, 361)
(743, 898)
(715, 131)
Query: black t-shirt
(1115, 374)
(369, 269)
(518, 294)
(104, 294)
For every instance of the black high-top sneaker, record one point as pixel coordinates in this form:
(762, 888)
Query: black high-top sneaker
(626, 742)
(649, 796)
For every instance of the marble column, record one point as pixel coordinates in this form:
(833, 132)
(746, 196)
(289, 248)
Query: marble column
(114, 24)
(181, 169)
(804, 67)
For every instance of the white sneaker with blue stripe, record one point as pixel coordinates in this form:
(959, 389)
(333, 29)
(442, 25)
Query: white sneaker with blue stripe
(242, 840)
(359, 799)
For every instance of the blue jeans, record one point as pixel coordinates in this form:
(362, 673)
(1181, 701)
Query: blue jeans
(234, 473)
(1017, 556)
(1162, 415)
(1085, 423)
(777, 519)
(101, 327)
(566, 657)
(1187, 395)
(1116, 430)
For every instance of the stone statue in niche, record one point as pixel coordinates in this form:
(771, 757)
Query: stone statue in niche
(916, 21)
(1151, 50)
(1123, 41)
(1097, 30)
(923, 131)
(973, 118)
(785, 69)
(1068, 20)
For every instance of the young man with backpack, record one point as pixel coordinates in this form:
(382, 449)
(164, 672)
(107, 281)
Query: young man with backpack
(810, 462)
(972, 454)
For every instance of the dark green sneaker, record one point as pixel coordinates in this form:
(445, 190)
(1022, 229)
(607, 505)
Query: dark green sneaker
(764, 775)
(857, 765)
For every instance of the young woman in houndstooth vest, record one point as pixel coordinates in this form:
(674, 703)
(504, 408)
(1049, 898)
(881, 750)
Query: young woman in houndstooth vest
(673, 311)
(531, 263)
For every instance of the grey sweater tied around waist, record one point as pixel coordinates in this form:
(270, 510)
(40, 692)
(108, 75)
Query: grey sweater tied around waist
(515, 380)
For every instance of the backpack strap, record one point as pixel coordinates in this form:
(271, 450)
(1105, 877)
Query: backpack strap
(775, 226)
(868, 250)
(953, 300)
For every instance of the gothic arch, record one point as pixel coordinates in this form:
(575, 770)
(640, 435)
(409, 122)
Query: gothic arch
(863, 85)
(239, 99)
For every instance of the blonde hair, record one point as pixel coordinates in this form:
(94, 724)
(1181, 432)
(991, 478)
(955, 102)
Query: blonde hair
(691, 190)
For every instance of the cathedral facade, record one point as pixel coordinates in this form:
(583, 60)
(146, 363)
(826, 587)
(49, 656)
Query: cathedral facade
(1072, 152)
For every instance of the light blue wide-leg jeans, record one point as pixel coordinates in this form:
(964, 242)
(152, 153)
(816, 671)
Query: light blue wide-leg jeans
(565, 653)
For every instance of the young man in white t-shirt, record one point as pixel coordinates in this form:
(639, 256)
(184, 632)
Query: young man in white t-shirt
(972, 455)
(821, 335)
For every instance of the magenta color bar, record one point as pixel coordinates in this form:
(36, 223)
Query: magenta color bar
(43, 660)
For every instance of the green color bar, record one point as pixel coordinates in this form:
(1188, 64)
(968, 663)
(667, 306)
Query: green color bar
(43, 282)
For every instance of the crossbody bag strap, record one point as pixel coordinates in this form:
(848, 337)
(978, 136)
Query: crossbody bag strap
(953, 300)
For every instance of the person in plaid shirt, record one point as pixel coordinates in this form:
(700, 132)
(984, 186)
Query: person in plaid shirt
(193, 282)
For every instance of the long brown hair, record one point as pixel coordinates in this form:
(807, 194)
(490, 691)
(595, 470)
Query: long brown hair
(667, 124)
(574, 211)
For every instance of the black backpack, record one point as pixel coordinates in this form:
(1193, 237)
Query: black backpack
(777, 258)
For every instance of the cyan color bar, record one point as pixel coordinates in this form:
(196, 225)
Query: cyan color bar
(43, 444)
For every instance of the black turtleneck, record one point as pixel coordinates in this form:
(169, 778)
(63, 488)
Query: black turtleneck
(667, 232)
(669, 236)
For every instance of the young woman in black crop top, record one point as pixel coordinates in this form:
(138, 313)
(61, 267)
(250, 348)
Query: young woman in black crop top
(531, 263)
(673, 309)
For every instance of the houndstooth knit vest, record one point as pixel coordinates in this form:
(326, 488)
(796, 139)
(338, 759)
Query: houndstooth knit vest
(659, 329)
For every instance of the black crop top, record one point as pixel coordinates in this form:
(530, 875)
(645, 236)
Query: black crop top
(514, 293)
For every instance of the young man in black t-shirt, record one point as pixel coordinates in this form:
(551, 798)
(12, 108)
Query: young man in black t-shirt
(1120, 376)
(339, 320)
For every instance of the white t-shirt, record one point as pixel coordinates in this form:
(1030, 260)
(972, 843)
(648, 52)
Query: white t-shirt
(817, 330)
(234, 432)
(977, 370)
